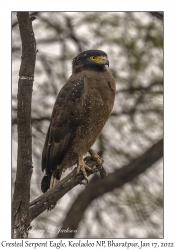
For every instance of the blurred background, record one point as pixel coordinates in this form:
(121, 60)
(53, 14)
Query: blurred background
(133, 42)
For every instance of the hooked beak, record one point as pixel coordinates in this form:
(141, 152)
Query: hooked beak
(106, 62)
(103, 60)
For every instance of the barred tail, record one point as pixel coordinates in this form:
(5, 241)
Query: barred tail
(45, 183)
(49, 181)
(56, 176)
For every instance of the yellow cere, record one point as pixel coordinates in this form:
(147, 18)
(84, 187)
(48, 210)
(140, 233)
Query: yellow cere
(98, 59)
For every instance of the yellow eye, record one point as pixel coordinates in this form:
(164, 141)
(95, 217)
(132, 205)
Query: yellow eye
(93, 57)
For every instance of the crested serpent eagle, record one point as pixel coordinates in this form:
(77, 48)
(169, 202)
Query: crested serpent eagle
(80, 112)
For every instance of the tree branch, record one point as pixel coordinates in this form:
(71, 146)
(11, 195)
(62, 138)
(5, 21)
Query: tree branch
(158, 14)
(72, 34)
(33, 120)
(132, 89)
(114, 180)
(31, 18)
(40, 204)
(21, 196)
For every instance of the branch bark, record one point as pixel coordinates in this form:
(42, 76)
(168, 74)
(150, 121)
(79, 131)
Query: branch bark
(96, 188)
(40, 204)
(31, 18)
(33, 120)
(21, 196)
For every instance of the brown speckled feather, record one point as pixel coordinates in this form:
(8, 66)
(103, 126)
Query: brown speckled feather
(64, 121)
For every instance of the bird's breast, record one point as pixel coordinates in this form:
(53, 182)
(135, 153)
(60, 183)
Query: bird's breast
(95, 106)
(97, 101)
(100, 90)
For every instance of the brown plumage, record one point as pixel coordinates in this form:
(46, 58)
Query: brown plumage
(80, 112)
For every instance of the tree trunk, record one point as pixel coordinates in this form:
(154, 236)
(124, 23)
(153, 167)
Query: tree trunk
(21, 196)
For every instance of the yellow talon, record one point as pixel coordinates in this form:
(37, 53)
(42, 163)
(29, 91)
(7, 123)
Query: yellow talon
(82, 167)
(96, 157)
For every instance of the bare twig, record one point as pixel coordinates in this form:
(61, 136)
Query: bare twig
(72, 35)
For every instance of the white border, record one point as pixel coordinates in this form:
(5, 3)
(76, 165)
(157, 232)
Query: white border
(169, 96)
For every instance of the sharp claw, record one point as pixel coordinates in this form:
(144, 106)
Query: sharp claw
(51, 207)
(82, 183)
(82, 167)
(96, 157)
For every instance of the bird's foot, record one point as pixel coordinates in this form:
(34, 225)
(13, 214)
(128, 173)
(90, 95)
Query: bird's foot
(51, 207)
(82, 167)
(96, 157)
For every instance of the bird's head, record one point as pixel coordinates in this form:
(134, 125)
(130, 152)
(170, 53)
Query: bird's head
(90, 59)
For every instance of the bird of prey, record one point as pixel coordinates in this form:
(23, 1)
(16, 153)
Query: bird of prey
(80, 112)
